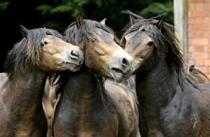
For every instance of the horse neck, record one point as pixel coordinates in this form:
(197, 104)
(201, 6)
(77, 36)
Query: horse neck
(157, 87)
(83, 88)
(25, 90)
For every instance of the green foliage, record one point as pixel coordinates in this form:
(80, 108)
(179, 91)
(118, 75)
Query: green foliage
(3, 6)
(44, 9)
(73, 7)
(52, 24)
(59, 14)
(158, 8)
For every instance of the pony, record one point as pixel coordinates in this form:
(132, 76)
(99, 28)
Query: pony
(41, 53)
(89, 105)
(173, 105)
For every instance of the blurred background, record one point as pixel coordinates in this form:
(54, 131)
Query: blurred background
(58, 14)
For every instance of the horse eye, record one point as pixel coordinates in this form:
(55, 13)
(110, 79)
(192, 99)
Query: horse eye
(43, 43)
(143, 30)
(48, 33)
(150, 44)
(93, 40)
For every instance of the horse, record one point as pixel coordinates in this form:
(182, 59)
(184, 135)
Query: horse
(173, 105)
(197, 75)
(89, 105)
(41, 53)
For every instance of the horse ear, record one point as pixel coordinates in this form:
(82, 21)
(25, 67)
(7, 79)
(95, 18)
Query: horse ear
(158, 17)
(191, 68)
(160, 22)
(79, 21)
(103, 22)
(24, 31)
(133, 17)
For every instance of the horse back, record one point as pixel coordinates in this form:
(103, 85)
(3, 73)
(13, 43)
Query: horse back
(201, 113)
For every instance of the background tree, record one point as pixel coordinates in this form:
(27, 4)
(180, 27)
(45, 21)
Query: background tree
(58, 14)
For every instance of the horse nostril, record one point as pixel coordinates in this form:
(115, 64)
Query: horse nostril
(74, 54)
(125, 62)
(45, 42)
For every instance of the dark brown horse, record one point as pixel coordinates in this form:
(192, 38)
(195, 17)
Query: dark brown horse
(86, 108)
(197, 75)
(39, 53)
(174, 106)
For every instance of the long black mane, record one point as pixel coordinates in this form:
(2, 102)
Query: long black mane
(84, 34)
(165, 40)
(27, 51)
(80, 36)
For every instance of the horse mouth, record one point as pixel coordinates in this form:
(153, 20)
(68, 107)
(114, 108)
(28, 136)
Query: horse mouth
(119, 74)
(73, 63)
(73, 66)
(117, 70)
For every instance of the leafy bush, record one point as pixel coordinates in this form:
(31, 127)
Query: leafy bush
(3, 6)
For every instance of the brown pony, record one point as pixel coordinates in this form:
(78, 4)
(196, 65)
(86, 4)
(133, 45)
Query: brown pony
(40, 53)
(89, 106)
(173, 105)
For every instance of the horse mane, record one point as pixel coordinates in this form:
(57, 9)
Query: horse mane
(82, 35)
(166, 43)
(26, 52)
(73, 34)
